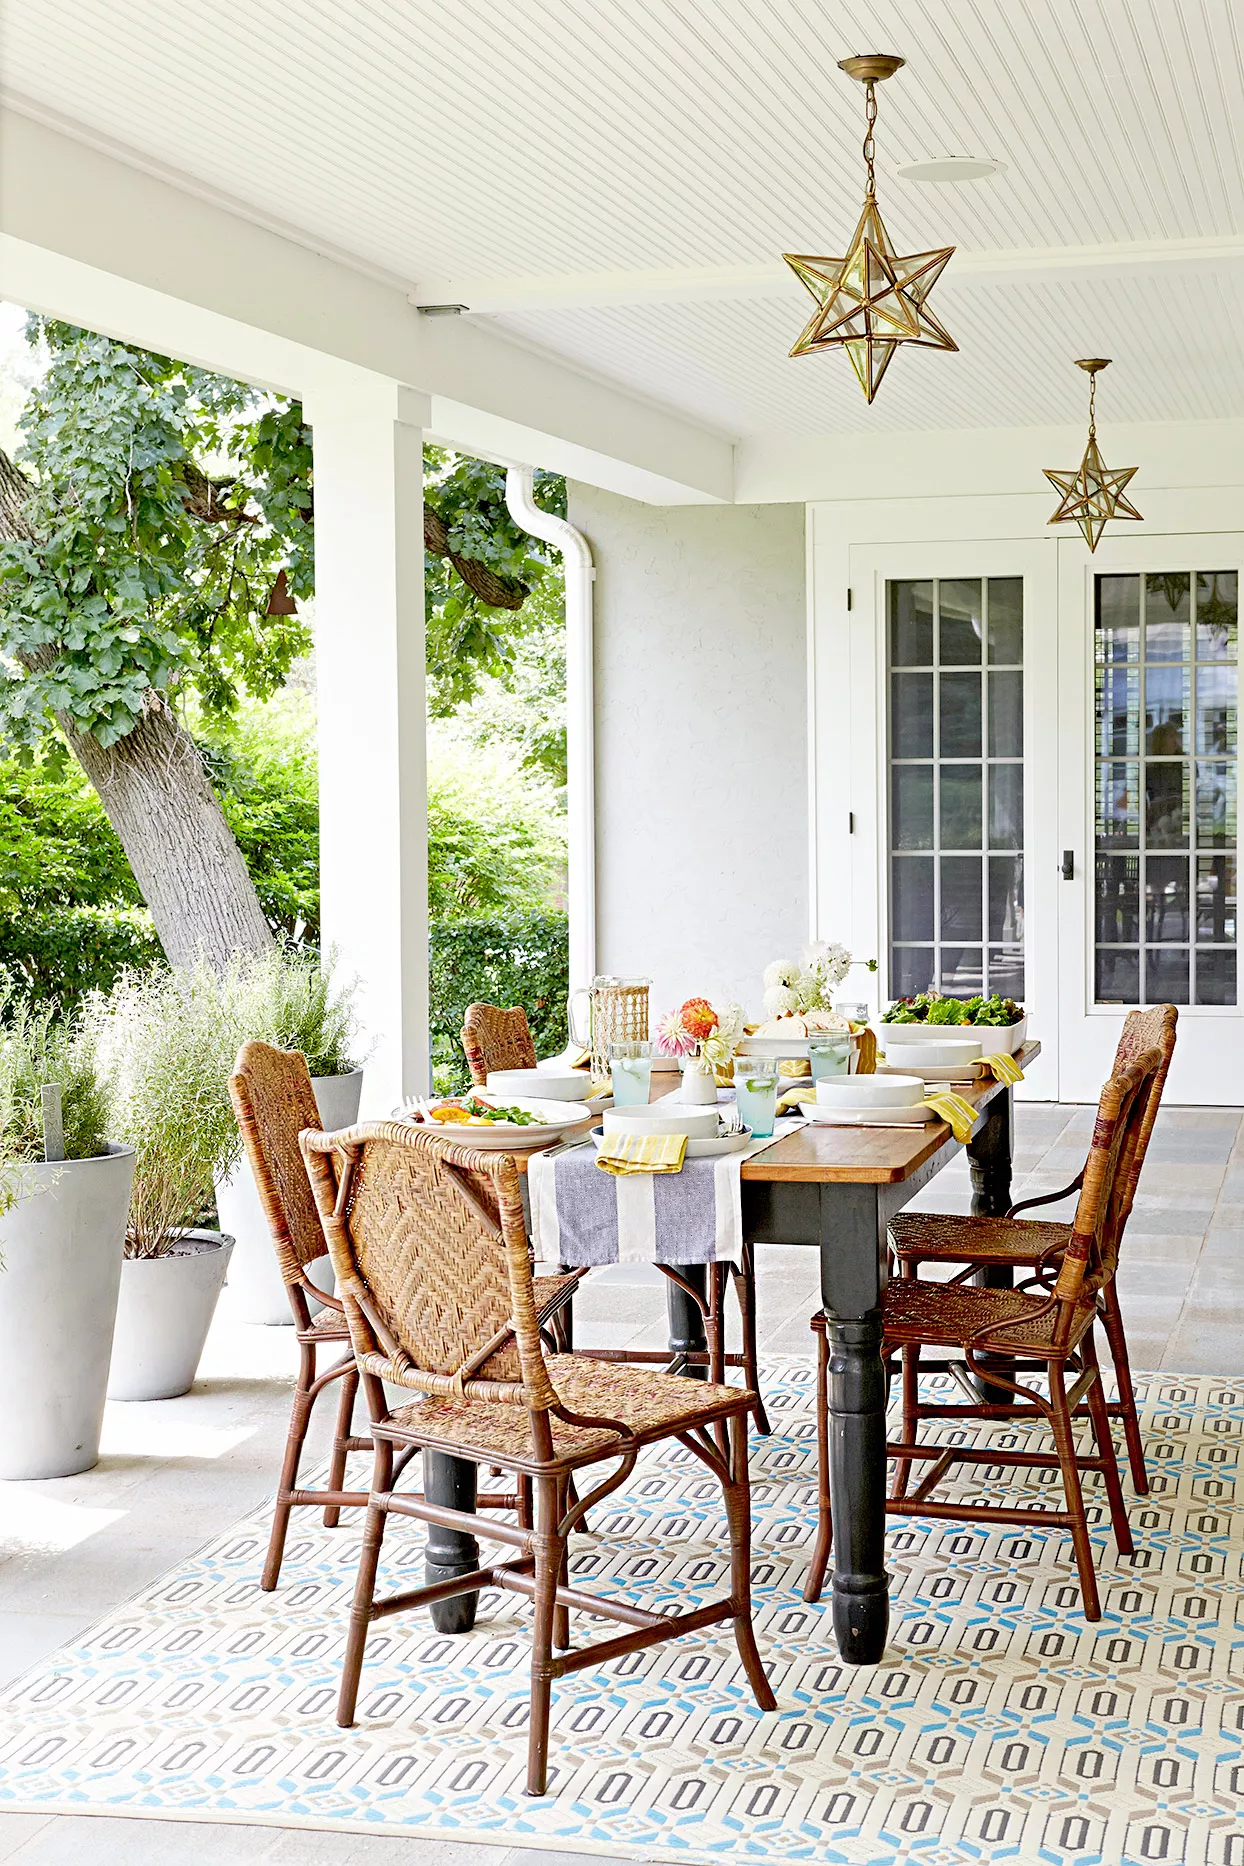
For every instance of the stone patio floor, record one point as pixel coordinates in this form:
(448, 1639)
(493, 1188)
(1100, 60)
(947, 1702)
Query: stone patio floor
(176, 1472)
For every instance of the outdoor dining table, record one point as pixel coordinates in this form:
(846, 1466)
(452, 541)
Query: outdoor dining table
(835, 1190)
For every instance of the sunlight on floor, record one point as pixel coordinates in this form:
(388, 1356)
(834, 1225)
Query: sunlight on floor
(151, 1429)
(31, 1520)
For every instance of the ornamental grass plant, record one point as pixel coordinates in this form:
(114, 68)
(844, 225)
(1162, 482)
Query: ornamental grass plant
(38, 1047)
(166, 1052)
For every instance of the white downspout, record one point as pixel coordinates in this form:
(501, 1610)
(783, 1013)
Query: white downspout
(580, 716)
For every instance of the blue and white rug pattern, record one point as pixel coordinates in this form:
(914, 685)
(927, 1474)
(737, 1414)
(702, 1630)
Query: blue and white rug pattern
(1000, 1727)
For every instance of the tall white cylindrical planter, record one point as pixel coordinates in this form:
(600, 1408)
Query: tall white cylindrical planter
(256, 1292)
(61, 1247)
(163, 1315)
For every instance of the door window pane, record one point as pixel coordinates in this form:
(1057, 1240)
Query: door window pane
(911, 624)
(960, 815)
(956, 746)
(911, 896)
(911, 809)
(1166, 687)
(911, 715)
(1006, 715)
(959, 622)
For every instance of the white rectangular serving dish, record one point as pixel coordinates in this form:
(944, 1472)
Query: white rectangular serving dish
(934, 1072)
(779, 1047)
(994, 1039)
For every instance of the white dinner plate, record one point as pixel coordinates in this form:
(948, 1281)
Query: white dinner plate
(701, 1149)
(557, 1117)
(915, 1114)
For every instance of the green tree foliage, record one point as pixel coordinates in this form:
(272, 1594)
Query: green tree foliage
(514, 959)
(525, 707)
(469, 639)
(144, 569)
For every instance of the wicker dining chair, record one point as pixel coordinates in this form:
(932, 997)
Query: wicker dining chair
(430, 1248)
(1014, 1243)
(501, 1039)
(273, 1099)
(1050, 1330)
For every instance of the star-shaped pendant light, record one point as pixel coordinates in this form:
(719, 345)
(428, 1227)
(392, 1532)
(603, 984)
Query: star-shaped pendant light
(872, 299)
(1094, 492)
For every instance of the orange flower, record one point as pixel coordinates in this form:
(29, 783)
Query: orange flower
(699, 1019)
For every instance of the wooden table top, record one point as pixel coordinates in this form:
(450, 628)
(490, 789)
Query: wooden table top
(860, 1156)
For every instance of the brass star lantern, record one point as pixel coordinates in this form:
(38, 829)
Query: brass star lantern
(872, 300)
(1094, 493)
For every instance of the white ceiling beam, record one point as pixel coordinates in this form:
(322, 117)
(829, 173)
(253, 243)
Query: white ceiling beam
(772, 278)
(106, 244)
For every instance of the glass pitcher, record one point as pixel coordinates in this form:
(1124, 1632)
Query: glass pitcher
(617, 1012)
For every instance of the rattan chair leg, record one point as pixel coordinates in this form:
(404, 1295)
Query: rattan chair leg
(1125, 1406)
(911, 1400)
(365, 1586)
(299, 1420)
(1064, 1445)
(739, 1518)
(561, 1614)
(525, 1518)
(1105, 1450)
(345, 1431)
(715, 1323)
(548, 1550)
(824, 1542)
(745, 1290)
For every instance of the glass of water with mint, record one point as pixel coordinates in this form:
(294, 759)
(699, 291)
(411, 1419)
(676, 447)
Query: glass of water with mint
(630, 1065)
(755, 1093)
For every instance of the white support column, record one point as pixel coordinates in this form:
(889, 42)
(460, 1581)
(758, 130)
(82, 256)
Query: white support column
(372, 720)
(580, 717)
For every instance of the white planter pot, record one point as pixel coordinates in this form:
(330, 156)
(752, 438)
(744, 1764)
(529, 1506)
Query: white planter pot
(163, 1315)
(61, 1245)
(256, 1290)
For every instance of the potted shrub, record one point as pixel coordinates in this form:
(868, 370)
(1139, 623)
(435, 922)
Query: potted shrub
(62, 1225)
(290, 1000)
(163, 1045)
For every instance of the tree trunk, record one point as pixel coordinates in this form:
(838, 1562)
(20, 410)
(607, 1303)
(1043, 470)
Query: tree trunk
(186, 863)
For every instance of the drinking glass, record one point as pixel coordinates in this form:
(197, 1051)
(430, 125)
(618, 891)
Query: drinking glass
(755, 1092)
(631, 1067)
(829, 1056)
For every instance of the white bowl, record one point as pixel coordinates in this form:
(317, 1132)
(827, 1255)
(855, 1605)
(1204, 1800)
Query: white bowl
(551, 1083)
(869, 1091)
(902, 1055)
(994, 1039)
(662, 1118)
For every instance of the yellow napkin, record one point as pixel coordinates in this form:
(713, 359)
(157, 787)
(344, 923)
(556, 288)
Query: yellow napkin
(642, 1153)
(599, 1085)
(957, 1113)
(1003, 1068)
(579, 1060)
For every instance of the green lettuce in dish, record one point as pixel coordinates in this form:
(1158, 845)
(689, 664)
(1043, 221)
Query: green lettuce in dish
(931, 1008)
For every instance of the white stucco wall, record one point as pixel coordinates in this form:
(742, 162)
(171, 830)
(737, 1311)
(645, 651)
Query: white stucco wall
(701, 692)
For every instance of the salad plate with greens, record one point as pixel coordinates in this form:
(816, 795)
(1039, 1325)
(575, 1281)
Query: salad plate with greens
(1000, 1023)
(482, 1119)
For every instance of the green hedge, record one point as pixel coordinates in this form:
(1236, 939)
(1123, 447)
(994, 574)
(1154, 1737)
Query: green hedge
(64, 952)
(516, 960)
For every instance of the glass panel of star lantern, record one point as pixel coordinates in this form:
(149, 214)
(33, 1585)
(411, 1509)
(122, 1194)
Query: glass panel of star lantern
(1166, 753)
(956, 748)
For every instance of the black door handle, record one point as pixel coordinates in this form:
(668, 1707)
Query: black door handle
(1069, 864)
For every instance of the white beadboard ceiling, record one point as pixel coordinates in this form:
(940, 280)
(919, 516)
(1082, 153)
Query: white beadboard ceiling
(459, 140)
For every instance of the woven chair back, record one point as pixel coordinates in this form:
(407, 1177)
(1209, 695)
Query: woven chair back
(273, 1099)
(430, 1249)
(496, 1039)
(1152, 1029)
(1101, 1212)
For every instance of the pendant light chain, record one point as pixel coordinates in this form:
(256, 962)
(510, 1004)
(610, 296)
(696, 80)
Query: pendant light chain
(870, 146)
(1092, 433)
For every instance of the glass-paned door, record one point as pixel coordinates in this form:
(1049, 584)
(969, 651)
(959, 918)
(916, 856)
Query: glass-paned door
(1166, 690)
(956, 784)
(1148, 735)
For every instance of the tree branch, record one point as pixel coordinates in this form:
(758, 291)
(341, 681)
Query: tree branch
(497, 592)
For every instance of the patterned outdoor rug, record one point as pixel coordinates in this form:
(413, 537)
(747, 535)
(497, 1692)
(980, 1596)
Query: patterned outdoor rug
(1001, 1726)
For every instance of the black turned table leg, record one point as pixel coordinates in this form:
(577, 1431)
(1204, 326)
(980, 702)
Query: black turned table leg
(686, 1318)
(452, 1483)
(853, 1279)
(990, 1155)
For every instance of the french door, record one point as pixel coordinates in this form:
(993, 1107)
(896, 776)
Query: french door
(1147, 752)
(964, 640)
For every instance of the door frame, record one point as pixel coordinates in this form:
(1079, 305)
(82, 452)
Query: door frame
(1087, 1031)
(871, 567)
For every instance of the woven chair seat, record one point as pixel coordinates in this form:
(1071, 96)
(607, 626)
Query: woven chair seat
(942, 1237)
(549, 1292)
(950, 1315)
(326, 1325)
(651, 1404)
